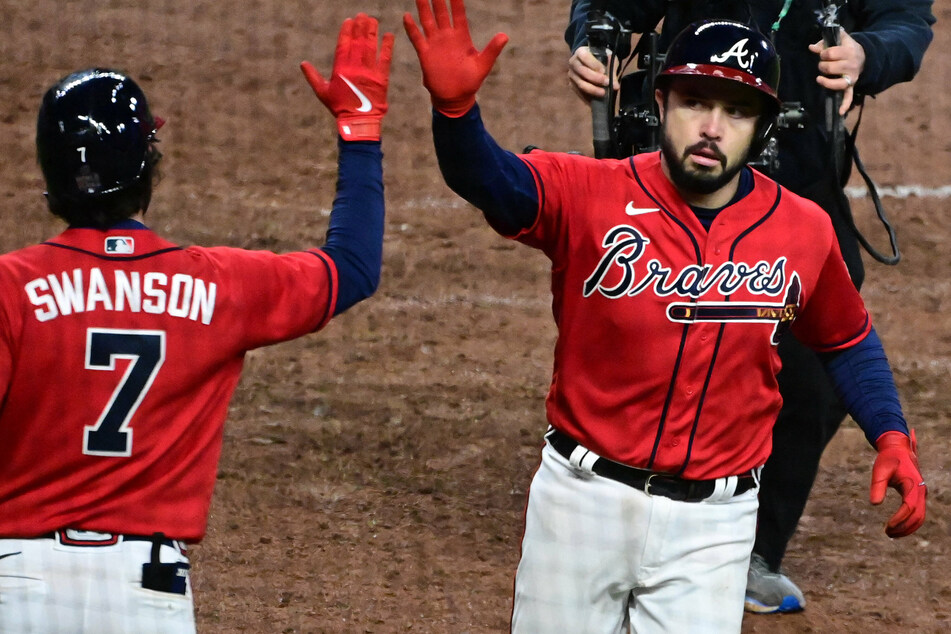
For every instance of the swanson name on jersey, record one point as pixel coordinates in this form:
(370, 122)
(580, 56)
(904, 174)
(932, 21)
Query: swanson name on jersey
(153, 292)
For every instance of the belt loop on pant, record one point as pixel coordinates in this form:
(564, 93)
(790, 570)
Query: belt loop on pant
(583, 459)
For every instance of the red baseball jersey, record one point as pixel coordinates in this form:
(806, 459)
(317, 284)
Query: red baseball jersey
(666, 354)
(119, 353)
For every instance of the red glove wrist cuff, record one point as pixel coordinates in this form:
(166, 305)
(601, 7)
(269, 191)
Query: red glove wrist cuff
(368, 129)
(893, 439)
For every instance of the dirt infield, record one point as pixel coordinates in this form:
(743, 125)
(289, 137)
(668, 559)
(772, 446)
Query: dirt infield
(374, 474)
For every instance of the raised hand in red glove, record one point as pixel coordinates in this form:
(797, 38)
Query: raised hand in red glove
(897, 466)
(356, 90)
(453, 69)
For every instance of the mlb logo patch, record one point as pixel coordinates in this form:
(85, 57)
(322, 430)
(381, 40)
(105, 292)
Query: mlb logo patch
(120, 245)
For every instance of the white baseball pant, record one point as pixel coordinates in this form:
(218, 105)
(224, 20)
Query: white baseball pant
(50, 587)
(600, 557)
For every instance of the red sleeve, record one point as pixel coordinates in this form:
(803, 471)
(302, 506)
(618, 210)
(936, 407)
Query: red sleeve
(548, 174)
(834, 316)
(566, 183)
(276, 297)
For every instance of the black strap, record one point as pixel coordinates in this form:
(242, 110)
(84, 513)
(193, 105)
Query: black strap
(157, 540)
(852, 153)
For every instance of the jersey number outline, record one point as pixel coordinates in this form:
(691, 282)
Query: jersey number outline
(145, 350)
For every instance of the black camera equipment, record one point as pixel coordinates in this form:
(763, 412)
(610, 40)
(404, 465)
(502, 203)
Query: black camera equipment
(636, 123)
(791, 116)
(835, 127)
(606, 33)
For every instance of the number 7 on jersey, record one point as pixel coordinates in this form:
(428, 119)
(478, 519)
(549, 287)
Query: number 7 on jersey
(145, 350)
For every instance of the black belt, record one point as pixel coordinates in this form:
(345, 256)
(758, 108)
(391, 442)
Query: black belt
(650, 482)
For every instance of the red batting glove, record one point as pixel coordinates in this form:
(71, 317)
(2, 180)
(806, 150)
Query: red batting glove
(356, 91)
(453, 69)
(897, 466)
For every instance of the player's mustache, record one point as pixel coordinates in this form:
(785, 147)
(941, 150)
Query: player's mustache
(706, 145)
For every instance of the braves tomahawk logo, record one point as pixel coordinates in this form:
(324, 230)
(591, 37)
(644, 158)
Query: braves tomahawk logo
(782, 314)
(621, 273)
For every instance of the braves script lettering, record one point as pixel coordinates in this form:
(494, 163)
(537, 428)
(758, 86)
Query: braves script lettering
(626, 248)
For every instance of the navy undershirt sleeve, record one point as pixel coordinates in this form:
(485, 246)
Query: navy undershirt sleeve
(355, 233)
(492, 179)
(864, 383)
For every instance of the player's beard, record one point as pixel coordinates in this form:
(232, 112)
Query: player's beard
(696, 182)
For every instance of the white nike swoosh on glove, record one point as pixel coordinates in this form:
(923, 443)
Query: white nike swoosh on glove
(631, 210)
(365, 105)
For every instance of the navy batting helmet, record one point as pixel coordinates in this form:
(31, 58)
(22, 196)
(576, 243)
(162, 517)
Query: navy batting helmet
(733, 51)
(95, 142)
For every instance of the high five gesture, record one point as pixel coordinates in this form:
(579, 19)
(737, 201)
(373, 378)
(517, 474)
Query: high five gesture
(453, 69)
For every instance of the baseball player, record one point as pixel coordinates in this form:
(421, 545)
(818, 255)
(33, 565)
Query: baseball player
(882, 44)
(120, 350)
(674, 274)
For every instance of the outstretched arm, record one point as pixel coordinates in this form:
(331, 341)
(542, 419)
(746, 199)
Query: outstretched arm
(472, 163)
(474, 166)
(356, 95)
(355, 232)
(453, 69)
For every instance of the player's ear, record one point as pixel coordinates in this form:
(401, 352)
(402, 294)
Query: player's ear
(660, 96)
